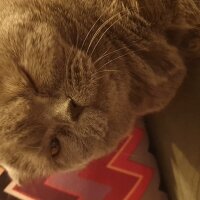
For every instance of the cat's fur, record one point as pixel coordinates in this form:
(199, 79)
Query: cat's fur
(116, 59)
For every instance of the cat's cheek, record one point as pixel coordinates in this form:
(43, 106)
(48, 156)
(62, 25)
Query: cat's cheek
(93, 123)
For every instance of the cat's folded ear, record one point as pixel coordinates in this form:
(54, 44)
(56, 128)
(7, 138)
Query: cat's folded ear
(159, 73)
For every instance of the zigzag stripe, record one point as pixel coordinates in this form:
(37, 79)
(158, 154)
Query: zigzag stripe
(121, 163)
(124, 178)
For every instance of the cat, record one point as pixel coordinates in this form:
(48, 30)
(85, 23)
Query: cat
(76, 74)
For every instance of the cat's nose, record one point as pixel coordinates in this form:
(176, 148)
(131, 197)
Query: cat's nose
(67, 110)
(74, 110)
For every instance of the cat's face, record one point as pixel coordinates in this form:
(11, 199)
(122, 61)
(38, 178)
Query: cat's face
(59, 108)
(73, 77)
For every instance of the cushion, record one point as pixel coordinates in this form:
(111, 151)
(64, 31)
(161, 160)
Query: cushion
(128, 173)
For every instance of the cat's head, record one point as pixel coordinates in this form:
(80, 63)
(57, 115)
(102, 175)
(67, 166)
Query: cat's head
(59, 107)
(73, 77)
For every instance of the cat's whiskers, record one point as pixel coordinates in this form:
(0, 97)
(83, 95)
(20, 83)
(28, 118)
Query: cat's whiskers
(101, 57)
(84, 41)
(103, 34)
(105, 54)
(119, 17)
(102, 71)
(95, 78)
(101, 28)
(127, 53)
(110, 61)
(94, 37)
